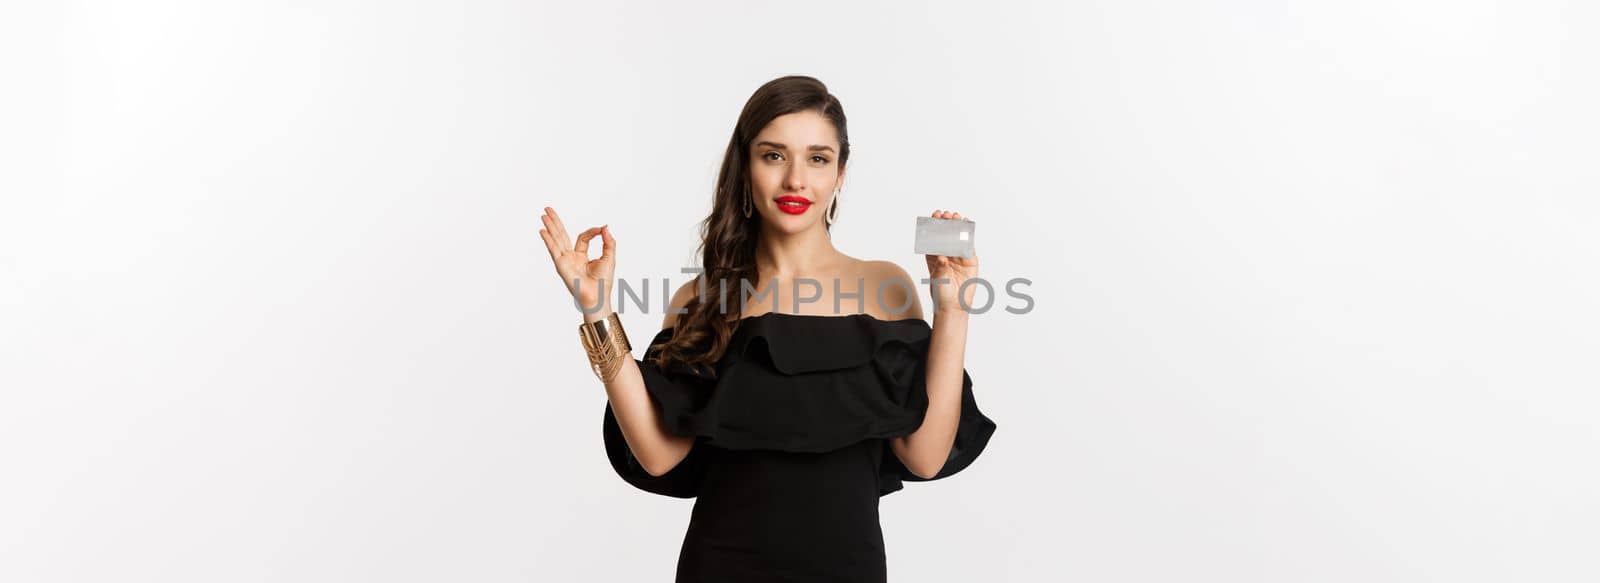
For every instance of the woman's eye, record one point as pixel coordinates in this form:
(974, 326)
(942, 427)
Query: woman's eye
(819, 159)
(769, 156)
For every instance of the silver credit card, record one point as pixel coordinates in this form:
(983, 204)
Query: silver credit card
(951, 237)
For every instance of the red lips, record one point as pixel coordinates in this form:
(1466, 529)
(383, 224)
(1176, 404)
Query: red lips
(793, 205)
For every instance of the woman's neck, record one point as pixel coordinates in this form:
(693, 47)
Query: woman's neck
(788, 256)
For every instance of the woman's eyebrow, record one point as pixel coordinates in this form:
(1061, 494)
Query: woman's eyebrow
(783, 147)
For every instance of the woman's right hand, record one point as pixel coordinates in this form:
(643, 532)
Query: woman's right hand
(582, 276)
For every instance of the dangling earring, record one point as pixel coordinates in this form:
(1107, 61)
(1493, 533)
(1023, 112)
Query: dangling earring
(747, 203)
(833, 209)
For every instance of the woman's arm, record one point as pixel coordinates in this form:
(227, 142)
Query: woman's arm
(925, 450)
(657, 450)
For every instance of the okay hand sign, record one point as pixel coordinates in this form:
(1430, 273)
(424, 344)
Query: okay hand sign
(582, 276)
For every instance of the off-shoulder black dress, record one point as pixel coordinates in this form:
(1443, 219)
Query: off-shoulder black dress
(791, 451)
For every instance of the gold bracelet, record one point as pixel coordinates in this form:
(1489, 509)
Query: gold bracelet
(606, 344)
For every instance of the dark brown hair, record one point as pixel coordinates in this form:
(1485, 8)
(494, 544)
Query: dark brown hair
(728, 238)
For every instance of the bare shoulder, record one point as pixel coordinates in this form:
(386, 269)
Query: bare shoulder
(680, 298)
(899, 291)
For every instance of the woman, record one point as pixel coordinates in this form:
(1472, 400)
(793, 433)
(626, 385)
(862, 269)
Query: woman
(785, 426)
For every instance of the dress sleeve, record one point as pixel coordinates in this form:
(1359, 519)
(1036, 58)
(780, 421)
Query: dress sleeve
(906, 366)
(674, 394)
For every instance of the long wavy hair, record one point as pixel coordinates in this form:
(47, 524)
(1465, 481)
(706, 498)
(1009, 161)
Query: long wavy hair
(728, 238)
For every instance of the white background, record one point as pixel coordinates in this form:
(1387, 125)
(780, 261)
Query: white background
(1315, 282)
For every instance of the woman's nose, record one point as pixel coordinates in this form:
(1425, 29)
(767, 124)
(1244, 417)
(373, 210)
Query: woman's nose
(795, 178)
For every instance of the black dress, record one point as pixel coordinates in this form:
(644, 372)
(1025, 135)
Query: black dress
(791, 451)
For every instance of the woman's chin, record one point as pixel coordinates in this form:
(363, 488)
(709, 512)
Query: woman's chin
(791, 224)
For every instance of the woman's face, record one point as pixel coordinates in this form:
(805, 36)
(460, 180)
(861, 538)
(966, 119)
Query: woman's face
(794, 170)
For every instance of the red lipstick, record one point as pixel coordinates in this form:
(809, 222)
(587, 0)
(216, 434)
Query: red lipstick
(793, 205)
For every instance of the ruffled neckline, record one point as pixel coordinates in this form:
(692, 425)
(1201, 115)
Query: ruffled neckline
(803, 343)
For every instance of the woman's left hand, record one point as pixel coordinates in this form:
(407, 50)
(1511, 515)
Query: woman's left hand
(956, 271)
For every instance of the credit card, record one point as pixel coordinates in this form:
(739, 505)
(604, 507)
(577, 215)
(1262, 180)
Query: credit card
(952, 237)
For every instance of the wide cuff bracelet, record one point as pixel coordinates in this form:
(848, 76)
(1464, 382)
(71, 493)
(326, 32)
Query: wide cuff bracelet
(606, 344)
